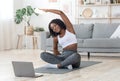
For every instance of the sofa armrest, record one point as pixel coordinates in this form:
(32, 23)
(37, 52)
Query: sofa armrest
(43, 37)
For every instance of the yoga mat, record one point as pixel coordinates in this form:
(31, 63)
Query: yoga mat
(45, 69)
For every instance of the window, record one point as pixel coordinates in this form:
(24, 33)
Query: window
(6, 9)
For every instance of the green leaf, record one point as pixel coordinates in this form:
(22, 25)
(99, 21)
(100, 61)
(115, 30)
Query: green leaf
(30, 11)
(18, 20)
(24, 11)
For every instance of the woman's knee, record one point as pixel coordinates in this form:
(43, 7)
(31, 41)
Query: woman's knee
(78, 60)
(44, 54)
(76, 55)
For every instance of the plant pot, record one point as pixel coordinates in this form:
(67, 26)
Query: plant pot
(29, 30)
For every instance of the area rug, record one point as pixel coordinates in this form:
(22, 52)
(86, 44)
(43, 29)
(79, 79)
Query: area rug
(45, 69)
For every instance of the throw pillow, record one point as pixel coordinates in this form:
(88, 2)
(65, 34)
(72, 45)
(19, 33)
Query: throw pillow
(116, 34)
(83, 31)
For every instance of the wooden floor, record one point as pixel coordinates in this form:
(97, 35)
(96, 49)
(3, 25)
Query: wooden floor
(108, 70)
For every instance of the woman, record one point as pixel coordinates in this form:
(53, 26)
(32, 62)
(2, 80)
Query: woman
(64, 34)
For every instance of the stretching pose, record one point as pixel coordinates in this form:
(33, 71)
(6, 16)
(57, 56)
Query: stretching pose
(64, 34)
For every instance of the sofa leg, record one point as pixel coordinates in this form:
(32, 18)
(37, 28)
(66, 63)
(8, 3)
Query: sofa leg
(88, 55)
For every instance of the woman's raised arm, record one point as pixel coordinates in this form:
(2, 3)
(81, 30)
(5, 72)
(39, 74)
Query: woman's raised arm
(67, 22)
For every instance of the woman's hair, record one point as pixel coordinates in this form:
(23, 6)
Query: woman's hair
(58, 22)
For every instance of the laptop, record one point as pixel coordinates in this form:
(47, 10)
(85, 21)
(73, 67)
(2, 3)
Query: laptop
(24, 69)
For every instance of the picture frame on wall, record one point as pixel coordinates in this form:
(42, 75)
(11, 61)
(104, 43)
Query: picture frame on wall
(98, 2)
(65, 5)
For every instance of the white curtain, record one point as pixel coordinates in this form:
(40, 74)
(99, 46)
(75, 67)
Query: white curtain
(7, 28)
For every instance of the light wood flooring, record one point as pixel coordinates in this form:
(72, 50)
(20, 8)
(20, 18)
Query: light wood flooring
(108, 70)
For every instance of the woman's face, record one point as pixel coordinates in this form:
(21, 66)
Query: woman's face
(55, 27)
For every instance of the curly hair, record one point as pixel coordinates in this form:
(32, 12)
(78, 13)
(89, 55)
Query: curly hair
(58, 22)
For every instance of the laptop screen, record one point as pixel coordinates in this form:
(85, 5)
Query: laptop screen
(23, 69)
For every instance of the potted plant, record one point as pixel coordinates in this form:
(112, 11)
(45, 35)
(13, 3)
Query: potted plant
(24, 14)
(37, 30)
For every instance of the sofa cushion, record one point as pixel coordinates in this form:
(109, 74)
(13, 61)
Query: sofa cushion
(104, 30)
(83, 31)
(116, 33)
(80, 42)
(102, 43)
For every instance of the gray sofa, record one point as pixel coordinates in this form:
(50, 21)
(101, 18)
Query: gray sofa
(90, 37)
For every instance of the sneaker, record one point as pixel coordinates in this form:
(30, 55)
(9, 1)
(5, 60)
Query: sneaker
(70, 67)
(51, 66)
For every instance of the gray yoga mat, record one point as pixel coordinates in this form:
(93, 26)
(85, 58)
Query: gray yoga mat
(45, 69)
